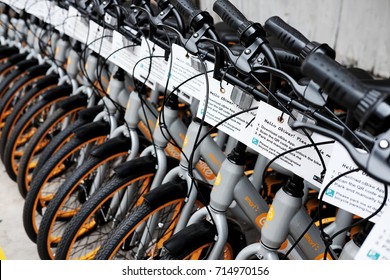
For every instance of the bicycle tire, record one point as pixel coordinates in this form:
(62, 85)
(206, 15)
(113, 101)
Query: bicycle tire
(27, 126)
(30, 98)
(83, 117)
(10, 64)
(19, 89)
(75, 191)
(81, 229)
(14, 73)
(56, 168)
(166, 201)
(50, 128)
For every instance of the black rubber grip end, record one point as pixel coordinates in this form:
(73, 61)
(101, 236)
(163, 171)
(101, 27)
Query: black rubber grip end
(232, 16)
(288, 36)
(187, 9)
(337, 82)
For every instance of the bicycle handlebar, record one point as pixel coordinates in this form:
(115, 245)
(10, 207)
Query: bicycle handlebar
(294, 40)
(340, 84)
(247, 31)
(188, 10)
(232, 16)
(370, 107)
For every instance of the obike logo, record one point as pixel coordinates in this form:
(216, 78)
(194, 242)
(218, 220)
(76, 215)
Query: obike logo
(205, 170)
(215, 160)
(253, 205)
(185, 142)
(173, 151)
(271, 214)
(218, 180)
(69, 61)
(260, 220)
(310, 241)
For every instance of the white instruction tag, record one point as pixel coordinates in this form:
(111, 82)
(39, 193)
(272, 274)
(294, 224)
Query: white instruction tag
(124, 53)
(377, 244)
(220, 107)
(70, 22)
(81, 31)
(18, 4)
(58, 17)
(271, 136)
(99, 39)
(184, 70)
(39, 9)
(356, 192)
(152, 66)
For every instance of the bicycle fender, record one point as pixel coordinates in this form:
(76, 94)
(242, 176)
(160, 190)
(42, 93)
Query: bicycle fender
(73, 102)
(40, 69)
(92, 130)
(175, 190)
(123, 170)
(46, 81)
(112, 146)
(56, 92)
(8, 51)
(194, 234)
(16, 58)
(126, 168)
(166, 192)
(25, 64)
(89, 114)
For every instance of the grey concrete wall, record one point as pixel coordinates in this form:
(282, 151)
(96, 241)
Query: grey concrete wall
(359, 30)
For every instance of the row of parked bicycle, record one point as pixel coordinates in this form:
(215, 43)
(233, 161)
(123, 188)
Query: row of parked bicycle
(139, 130)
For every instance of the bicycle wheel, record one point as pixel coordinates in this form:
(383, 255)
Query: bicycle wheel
(84, 117)
(9, 65)
(86, 232)
(28, 125)
(54, 172)
(19, 108)
(19, 89)
(77, 189)
(6, 52)
(155, 219)
(14, 73)
(49, 129)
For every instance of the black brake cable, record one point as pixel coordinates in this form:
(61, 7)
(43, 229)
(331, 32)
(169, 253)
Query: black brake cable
(143, 103)
(347, 128)
(294, 118)
(173, 92)
(328, 239)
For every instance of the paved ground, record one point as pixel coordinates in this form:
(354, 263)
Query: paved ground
(13, 240)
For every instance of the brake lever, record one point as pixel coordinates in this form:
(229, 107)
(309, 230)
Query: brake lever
(191, 43)
(240, 62)
(375, 163)
(310, 93)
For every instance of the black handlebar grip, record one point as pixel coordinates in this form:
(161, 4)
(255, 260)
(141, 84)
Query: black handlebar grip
(288, 58)
(187, 9)
(232, 16)
(337, 82)
(287, 35)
